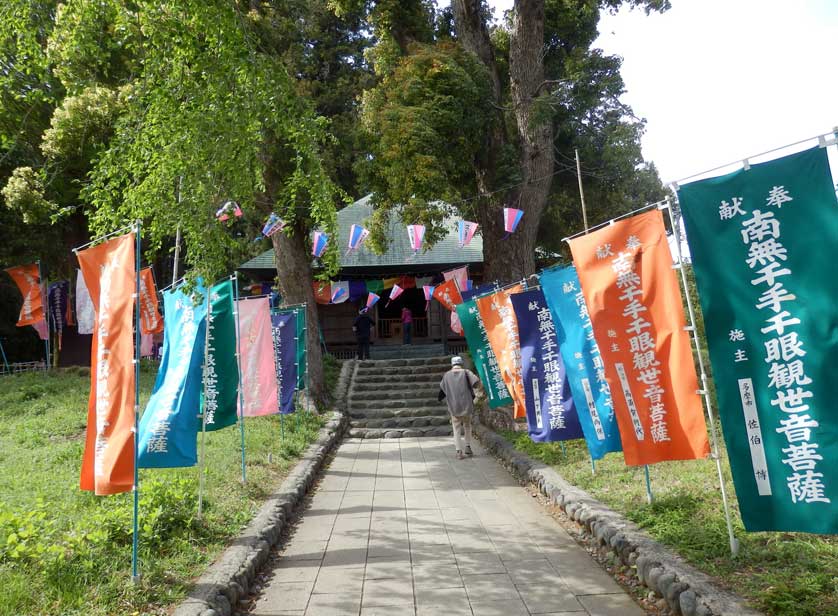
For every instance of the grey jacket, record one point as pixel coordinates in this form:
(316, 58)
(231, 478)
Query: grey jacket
(457, 387)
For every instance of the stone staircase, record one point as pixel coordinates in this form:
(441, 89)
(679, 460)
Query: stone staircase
(397, 398)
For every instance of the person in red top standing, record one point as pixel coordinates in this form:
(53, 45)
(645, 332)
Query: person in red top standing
(407, 325)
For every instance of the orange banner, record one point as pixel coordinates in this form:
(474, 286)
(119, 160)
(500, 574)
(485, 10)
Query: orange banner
(502, 330)
(110, 274)
(635, 307)
(448, 294)
(322, 292)
(27, 278)
(152, 322)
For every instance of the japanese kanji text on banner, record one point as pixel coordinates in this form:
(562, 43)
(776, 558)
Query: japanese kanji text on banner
(764, 243)
(499, 320)
(485, 361)
(635, 307)
(109, 271)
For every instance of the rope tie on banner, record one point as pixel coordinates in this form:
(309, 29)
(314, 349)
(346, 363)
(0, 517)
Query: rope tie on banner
(823, 140)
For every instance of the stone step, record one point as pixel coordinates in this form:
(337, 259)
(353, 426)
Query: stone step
(400, 422)
(382, 379)
(403, 362)
(437, 371)
(406, 352)
(383, 404)
(425, 411)
(393, 392)
(400, 432)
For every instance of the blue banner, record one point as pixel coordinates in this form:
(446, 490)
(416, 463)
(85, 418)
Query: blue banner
(170, 423)
(483, 289)
(284, 330)
(57, 301)
(583, 363)
(551, 413)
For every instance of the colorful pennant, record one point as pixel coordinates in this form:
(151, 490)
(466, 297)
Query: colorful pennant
(511, 218)
(416, 235)
(229, 208)
(319, 243)
(272, 225)
(357, 235)
(465, 231)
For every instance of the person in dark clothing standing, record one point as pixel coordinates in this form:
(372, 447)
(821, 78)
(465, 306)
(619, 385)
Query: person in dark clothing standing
(362, 326)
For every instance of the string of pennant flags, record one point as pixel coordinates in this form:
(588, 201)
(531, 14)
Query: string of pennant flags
(601, 349)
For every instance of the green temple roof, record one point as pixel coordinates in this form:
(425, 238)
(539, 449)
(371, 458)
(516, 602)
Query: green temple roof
(399, 257)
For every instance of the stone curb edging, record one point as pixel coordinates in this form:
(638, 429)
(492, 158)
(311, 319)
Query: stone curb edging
(219, 589)
(687, 591)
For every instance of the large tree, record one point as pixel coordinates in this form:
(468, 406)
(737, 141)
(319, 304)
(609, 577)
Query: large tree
(167, 110)
(531, 90)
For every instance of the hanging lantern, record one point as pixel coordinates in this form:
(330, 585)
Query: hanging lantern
(416, 235)
(511, 218)
(357, 235)
(465, 231)
(319, 243)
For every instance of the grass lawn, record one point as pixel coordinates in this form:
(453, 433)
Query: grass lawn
(64, 551)
(789, 574)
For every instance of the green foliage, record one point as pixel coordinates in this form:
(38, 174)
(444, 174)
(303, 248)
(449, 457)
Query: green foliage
(81, 126)
(69, 552)
(781, 574)
(94, 43)
(427, 120)
(24, 192)
(214, 115)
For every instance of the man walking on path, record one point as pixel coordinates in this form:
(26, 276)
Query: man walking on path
(457, 389)
(362, 327)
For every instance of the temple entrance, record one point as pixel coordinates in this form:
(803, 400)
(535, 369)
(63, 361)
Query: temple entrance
(389, 321)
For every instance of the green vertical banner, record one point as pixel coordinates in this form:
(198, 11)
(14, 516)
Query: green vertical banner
(764, 243)
(221, 374)
(484, 358)
(301, 346)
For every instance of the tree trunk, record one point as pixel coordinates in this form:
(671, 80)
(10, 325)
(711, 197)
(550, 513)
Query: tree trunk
(511, 259)
(294, 275)
(526, 73)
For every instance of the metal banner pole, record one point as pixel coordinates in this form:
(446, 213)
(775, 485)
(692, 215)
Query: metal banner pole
(705, 390)
(581, 192)
(135, 536)
(44, 304)
(203, 414)
(5, 359)
(649, 496)
(239, 367)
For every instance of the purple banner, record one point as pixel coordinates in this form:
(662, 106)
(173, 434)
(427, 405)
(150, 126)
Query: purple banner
(551, 414)
(284, 329)
(57, 302)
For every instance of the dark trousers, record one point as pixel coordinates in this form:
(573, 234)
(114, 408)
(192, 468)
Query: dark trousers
(407, 332)
(363, 348)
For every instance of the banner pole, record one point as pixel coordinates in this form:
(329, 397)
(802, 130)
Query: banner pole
(281, 427)
(203, 414)
(705, 390)
(239, 367)
(564, 451)
(593, 466)
(581, 192)
(649, 496)
(44, 303)
(135, 538)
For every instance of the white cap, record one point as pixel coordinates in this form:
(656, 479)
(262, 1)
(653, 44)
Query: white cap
(456, 361)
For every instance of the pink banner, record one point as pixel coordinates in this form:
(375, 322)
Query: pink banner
(256, 353)
(460, 275)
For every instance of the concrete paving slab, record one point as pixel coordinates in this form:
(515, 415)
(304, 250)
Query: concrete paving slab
(404, 528)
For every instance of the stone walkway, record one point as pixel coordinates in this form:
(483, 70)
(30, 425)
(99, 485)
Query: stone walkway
(401, 527)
